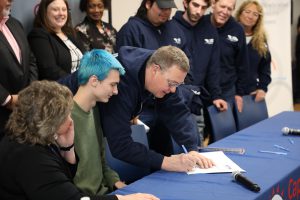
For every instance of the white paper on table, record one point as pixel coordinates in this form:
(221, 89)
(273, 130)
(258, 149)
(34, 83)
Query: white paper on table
(223, 164)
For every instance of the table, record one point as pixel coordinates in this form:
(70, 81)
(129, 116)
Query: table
(277, 175)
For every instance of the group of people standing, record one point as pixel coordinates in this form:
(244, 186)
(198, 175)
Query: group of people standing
(53, 140)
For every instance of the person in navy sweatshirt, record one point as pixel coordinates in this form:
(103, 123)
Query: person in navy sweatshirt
(250, 15)
(203, 44)
(151, 29)
(152, 74)
(234, 55)
(202, 39)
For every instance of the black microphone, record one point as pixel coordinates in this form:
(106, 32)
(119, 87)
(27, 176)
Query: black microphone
(290, 131)
(238, 177)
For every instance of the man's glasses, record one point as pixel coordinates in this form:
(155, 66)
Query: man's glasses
(173, 83)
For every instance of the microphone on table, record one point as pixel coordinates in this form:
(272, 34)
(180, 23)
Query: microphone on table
(238, 177)
(290, 131)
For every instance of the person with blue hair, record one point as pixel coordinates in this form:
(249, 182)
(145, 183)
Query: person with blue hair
(98, 77)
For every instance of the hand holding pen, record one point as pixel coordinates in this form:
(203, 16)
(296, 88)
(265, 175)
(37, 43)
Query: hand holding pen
(202, 161)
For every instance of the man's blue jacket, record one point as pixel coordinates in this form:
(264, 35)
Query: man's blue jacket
(117, 113)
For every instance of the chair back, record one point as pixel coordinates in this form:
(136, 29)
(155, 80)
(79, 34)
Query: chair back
(222, 123)
(252, 112)
(128, 172)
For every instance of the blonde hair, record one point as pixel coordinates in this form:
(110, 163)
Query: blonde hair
(259, 38)
(167, 56)
(41, 109)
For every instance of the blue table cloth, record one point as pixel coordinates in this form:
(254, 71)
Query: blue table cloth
(277, 175)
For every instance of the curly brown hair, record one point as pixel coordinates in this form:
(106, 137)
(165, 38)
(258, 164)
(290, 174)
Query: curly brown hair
(41, 108)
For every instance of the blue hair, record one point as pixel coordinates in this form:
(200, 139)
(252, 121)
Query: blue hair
(97, 62)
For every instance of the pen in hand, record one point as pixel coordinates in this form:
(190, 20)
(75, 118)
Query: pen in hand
(184, 149)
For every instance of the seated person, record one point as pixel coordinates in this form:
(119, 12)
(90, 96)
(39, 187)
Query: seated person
(53, 41)
(99, 74)
(37, 153)
(95, 33)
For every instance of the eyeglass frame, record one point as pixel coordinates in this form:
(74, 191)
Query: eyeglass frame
(171, 83)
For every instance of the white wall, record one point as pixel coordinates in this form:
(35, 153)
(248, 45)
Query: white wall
(296, 14)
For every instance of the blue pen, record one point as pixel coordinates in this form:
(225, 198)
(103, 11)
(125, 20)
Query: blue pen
(273, 152)
(281, 147)
(184, 149)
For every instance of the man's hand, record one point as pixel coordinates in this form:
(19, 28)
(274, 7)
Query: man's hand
(220, 104)
(239, 102)
(202, 161)
(179, 163)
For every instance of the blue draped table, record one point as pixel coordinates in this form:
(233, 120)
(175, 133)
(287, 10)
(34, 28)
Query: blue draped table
(277, 175)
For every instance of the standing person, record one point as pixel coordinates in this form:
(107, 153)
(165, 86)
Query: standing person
(53, 41)
(152, 75)
(250, 15)
(37, 154)
(98, 77)
(151, 29)
(234, 57)
(93, 32)
(202, 39)
(17, 63)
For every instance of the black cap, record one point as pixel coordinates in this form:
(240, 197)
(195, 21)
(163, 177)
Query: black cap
(166, 4)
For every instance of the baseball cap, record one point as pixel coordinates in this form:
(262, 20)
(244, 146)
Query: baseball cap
(166, 4)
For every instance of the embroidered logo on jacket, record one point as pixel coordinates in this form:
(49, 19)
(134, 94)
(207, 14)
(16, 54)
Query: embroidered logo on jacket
(209, 41)
(232, 38)
(177, 40)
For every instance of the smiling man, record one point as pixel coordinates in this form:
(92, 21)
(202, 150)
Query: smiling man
(234, 57)
(152, 75)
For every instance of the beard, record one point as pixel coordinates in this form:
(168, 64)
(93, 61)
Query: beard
(193, 18)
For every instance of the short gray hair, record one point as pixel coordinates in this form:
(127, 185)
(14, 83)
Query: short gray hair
(167, 56)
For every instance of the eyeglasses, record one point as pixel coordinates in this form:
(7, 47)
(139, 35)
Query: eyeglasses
(254, 14)
(173, 83)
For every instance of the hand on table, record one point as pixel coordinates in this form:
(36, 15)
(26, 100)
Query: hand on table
(202, 161)
(137, 196)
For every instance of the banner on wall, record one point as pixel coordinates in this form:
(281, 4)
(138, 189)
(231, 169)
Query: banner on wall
(277, 23)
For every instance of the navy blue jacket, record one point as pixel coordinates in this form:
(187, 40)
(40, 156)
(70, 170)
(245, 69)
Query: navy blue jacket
(203, 45)
(260, 70)
(234, 57)
(141, 33)
(117, 113)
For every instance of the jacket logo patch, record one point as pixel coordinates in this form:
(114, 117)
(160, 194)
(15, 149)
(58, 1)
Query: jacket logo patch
(232, 38)
(177, 40)
(209, 41)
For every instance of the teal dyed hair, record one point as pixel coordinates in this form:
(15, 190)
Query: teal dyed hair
(97, 62)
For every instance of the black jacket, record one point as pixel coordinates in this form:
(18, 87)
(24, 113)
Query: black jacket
(13, 75)
(52, 55)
